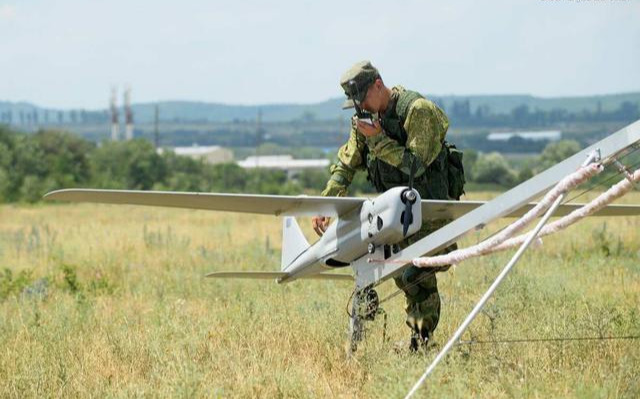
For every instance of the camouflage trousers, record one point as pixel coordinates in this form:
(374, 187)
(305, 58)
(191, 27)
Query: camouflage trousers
(420, 286)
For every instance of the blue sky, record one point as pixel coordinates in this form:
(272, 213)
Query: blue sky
(68, 53)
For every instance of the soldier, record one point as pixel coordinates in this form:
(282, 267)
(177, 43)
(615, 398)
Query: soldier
(393, 131)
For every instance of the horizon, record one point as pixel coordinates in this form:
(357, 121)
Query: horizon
(431, 96)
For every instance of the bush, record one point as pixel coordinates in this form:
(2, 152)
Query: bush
(13, 285)
(127, 165)
(493, 168)
(557, 152)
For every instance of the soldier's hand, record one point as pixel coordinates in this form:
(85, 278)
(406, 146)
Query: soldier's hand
(369, 130)
(320, 224)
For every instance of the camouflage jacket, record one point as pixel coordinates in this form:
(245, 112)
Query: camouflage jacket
(425, 125)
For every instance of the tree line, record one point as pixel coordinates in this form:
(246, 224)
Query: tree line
(461, 111)
(493, 171)
(34, 164)
(523, 116)
(37, 116)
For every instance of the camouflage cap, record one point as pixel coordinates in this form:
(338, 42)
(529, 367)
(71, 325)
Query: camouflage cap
(356, 81)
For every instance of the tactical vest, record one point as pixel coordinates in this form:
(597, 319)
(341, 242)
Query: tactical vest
(443, 178)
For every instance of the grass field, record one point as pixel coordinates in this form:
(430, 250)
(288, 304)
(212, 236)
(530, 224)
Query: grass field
(99, 300)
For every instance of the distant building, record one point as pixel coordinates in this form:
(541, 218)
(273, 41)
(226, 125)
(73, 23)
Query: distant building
(283, 162)
(210, 154)
(549, 135)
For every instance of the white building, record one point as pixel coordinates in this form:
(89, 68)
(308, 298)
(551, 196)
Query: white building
(210, 154)
(550, 135)
(283, 162)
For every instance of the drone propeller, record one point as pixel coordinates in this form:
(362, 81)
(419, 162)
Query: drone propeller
(409, 198)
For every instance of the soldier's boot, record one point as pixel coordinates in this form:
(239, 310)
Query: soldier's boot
(416, 342)
(420, 288)
(422, 304)
(420, 336)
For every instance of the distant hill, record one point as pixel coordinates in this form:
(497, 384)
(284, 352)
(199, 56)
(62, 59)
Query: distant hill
(501, 104)
(27, 113)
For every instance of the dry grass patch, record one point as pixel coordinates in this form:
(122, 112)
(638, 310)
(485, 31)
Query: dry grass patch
(100, 300)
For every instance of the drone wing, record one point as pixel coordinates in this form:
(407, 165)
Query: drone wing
(278, 205)
(286, 205)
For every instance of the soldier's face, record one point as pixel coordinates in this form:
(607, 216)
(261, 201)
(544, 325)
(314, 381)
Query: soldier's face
(373, 100)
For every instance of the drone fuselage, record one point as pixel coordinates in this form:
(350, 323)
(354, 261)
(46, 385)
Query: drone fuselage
(376, 223)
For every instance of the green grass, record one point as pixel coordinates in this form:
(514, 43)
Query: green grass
(110, 301)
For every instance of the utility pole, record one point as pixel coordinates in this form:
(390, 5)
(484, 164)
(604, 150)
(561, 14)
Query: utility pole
(128, 114)
(156, 130)
(115, 126)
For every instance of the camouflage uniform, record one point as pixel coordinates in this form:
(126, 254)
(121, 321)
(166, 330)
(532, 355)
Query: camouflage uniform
(414, 130)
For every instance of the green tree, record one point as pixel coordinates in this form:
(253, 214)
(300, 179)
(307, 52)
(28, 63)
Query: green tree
(28, 160)
(226, 177)
(493, 168)
(34, 187)
(66, 156)
(271, 182)
(469, 162)
(130, 164)
(313, 179)
(4, 185)
(183, 173)
(7, 145)
(556, 152)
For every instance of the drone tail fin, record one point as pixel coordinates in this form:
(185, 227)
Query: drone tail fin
(294, 242)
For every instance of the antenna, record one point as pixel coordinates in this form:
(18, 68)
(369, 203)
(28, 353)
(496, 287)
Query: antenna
(115, 126)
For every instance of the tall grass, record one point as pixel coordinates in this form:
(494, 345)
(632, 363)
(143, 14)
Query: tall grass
(100, 300)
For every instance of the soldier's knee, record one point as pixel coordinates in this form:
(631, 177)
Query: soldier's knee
(417, 283)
